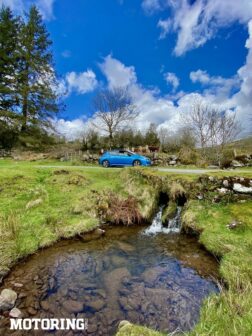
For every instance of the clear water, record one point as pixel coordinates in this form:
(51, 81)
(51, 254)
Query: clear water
(155, 280)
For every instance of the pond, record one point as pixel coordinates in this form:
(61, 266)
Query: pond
(155, 280)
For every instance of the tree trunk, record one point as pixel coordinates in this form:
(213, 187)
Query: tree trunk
(24, 113)
(25, 99)
(110, 139)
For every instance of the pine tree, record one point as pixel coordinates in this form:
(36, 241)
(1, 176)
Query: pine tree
(37, 80)
(9, 58)
(151, 137)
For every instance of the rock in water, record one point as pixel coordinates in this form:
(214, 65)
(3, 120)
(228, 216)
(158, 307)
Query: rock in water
(15, 313)
(97, 304)
(125, 247)
(73, 306)
(7, 299)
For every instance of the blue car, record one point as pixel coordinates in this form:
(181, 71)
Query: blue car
(123, 158)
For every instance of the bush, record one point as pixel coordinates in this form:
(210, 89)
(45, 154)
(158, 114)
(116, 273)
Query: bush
(8, 136)
(188, 155)
(35, 138)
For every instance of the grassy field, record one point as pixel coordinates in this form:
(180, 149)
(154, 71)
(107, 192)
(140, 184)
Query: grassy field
(39, 205)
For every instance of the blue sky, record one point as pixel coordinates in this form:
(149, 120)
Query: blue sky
(168, 53)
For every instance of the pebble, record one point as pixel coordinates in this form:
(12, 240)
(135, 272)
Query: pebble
(31, 311)
(15, 313)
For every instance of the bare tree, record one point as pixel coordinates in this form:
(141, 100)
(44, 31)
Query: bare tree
(113, 110)
(162, 135)
(213, 127)
(198, 120)
(225, 130)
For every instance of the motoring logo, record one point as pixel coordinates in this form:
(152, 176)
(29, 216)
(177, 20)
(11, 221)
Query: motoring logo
(48, 324)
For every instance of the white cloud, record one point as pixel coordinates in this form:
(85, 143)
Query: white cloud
(70, 129)
(221, 87)
(82, 82)
(117, 74)
(165, 26)
(198, 22)
(150, 6)
(45, 6)
(200, 76)
(172, 79)
(243, 99)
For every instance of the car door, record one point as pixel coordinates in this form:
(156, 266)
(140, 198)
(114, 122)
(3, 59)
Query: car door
(126, 158)
(113, 158)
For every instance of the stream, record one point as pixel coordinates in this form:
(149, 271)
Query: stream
(145, 276)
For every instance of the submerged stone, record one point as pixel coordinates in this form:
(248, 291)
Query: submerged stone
(7, 299)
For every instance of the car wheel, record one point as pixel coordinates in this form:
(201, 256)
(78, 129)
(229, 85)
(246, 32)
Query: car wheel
(105, 164)
(136, 163)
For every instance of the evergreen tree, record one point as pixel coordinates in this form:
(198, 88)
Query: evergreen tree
(37, 80)
(9, 58)
(151, 137)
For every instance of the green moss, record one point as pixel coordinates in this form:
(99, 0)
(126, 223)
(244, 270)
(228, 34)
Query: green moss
(133, 330)
(169, 212)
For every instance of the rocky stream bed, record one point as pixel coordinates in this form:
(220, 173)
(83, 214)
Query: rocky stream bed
(155, 280)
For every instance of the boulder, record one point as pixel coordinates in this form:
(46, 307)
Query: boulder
(226, 183)
(7, 299)
(237, 164)
(223, 191)
(242, 189)
(172, 163)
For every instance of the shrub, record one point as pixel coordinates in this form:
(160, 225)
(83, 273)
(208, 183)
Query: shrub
(188, 155)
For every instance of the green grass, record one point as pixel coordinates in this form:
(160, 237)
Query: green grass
(229, 313)
(39, 205)
(66, 206)
(133, 330)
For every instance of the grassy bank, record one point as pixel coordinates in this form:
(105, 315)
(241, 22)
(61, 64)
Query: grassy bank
(229, 313)
(38, 206)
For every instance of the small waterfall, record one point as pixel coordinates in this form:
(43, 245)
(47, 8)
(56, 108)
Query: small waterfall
(174, 224)
(157, 225)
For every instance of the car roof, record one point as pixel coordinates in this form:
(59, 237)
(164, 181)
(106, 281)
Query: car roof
(115, 151)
